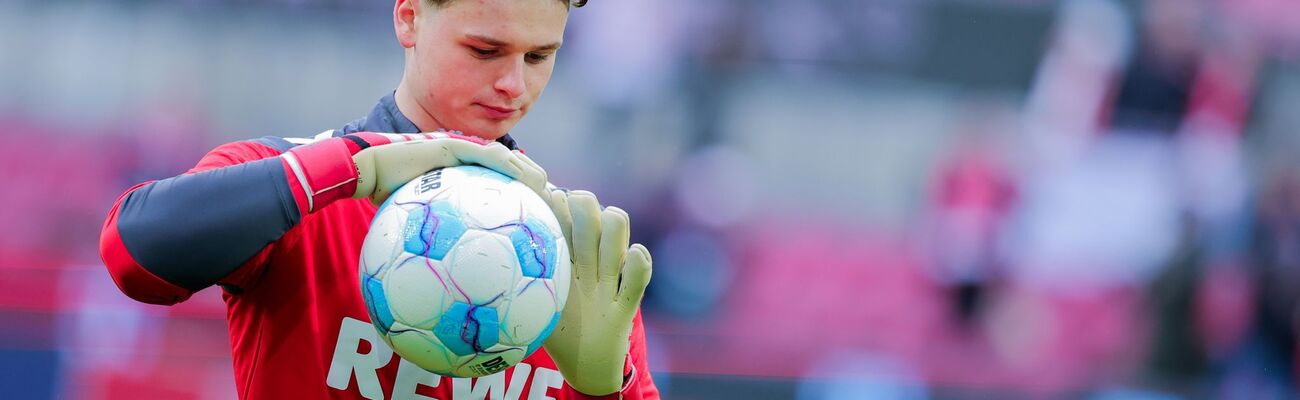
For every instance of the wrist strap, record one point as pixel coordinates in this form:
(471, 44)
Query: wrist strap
(324, 172)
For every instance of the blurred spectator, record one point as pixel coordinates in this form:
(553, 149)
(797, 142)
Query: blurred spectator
(972, 196)
(1276, 259)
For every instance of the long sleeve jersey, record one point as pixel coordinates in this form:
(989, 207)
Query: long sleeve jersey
(288, 271)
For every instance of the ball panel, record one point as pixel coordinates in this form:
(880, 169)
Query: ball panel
(545, 333)
(431, 230)
(535, 247)
(416, 291)
(488, 327)
(482, 268)
(382, 243)
(427, 187)
(424, 350)
(524, 318)
(563, 272)
(488, 204)
(377, 304)
(466, 329)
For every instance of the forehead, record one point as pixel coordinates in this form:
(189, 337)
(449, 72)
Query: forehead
(515, 22)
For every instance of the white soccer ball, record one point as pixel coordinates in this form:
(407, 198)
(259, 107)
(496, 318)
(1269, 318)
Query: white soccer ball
(464, 271)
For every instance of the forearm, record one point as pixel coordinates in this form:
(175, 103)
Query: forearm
(191, 230)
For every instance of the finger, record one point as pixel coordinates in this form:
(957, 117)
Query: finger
(636, 276)
(614, 234)
(494, 156)
(534, 176)
(366, 176)
(585, 211)
(560, 206)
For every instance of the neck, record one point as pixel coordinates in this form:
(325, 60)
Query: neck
(411, 108)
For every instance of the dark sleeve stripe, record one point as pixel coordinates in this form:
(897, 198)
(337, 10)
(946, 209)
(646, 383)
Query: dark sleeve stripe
(274, 143)
(135, 281)
(361, 144)
(192, 230)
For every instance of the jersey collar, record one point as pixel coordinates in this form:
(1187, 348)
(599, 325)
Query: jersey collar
(386, 118)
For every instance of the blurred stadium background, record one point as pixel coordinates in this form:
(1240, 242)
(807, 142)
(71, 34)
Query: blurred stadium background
(900, 199)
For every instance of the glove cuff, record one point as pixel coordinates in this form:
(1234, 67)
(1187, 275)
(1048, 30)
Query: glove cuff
(629, 380)
(629, 374)
(321, 172)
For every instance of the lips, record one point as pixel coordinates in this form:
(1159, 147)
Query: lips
(499, 113)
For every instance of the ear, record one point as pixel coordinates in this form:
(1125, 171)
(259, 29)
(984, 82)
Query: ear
(405, 14)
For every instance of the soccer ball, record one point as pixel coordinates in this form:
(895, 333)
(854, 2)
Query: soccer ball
(464, 271)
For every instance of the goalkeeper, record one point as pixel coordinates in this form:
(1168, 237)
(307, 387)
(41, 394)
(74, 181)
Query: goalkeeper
(278, 224)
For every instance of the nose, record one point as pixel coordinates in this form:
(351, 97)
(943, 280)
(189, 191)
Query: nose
(511, 82)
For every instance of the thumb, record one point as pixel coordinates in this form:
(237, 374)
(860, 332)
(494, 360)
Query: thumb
(365, 164)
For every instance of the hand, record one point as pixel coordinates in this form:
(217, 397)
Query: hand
(382, 169)
(590, 342)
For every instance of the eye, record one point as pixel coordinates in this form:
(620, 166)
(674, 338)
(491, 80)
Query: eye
(482, 53)
(537, 58)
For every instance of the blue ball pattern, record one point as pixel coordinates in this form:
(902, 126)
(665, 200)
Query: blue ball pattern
(467, 329)
(377, 304)
(535, 247)
(433, 230)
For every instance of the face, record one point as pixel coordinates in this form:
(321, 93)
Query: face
(476, 66)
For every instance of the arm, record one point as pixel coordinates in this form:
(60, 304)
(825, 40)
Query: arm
(165, 240)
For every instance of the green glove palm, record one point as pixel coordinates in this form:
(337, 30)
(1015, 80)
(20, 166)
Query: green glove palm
(590, 342)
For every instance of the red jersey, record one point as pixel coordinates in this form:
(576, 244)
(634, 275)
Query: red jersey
(298, 324)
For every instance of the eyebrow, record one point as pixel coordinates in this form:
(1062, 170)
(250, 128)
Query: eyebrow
(494, 42)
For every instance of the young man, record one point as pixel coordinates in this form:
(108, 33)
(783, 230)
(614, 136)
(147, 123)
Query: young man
(278, 224)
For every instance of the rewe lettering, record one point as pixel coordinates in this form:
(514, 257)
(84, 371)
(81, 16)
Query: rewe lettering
(347, 363)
